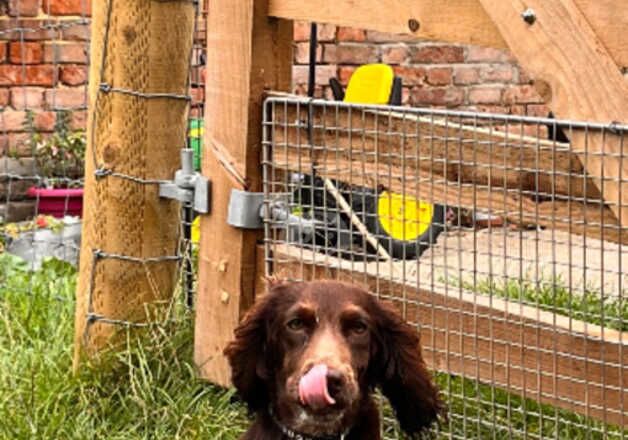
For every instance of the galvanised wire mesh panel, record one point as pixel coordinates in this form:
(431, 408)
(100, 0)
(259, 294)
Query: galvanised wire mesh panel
(488, 232)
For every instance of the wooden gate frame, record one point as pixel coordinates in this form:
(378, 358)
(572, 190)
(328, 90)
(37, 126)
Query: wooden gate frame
(574, 49)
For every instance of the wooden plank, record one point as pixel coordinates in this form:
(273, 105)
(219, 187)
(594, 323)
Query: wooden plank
(563, 52)
(546, 357)
(577, 218)
(465, 153)
(247, 52)
(455, 21)
(526, 179)
(147, 49)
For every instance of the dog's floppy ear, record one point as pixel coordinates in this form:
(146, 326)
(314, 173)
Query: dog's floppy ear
(246, 355)
(400, 371)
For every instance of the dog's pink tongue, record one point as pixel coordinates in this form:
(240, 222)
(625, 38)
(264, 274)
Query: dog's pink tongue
(313, 387)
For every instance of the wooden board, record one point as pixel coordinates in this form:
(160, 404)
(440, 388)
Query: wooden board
(546, 357)
(247, 52)
(562, 51)
(456, 21)
(576, 218)
(527, 180)
(463, 152)
(147, 48)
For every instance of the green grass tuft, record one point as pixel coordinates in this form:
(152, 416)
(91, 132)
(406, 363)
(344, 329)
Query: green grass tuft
(588, 306)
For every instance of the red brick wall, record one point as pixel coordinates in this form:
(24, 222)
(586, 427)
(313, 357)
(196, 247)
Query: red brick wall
(44, 48)
(434, 74)
(44, 67)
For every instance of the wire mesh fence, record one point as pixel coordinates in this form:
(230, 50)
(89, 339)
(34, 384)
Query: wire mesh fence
(488, 232)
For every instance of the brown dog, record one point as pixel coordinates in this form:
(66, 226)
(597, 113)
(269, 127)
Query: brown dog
(307, 357)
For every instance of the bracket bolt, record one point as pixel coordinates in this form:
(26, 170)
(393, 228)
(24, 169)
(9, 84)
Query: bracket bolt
(414, 24)
(529, 16)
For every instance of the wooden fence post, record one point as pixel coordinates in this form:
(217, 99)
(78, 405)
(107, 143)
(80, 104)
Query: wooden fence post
(247, 52)
(137, 46)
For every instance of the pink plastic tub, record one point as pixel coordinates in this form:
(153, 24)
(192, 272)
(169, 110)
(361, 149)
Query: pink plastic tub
(58, 202)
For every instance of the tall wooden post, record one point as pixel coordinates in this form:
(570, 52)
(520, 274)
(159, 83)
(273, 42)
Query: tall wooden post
(247, 52)
(140, 46)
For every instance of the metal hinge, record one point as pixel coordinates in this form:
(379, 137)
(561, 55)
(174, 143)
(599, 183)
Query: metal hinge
(188, 186)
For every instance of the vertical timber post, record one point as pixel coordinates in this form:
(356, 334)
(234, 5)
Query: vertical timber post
(247, 52)
(141, 46)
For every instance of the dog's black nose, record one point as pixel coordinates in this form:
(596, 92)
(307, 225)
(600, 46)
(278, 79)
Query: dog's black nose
(335, 382)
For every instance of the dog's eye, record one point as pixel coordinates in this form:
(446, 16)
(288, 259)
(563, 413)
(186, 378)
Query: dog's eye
(296, 324)
(358, 327)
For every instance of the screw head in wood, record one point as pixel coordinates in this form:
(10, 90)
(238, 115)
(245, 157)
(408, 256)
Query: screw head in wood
(414, 24)
(529, 16)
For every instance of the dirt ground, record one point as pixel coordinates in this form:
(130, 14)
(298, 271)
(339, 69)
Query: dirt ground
(503, 254)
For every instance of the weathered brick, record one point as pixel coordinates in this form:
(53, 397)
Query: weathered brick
(73, 75)
(66, 53)
(485, 95)
(385, 37)
(329, 53)
(326, 32)
(539, 110)
(437, 54)
(411, 75)
(45, 121)
(439, 76)
(36, 31)
(356, 54)
(23, 8)
(3, 51)
(344, 74)
(38, 75)
(502, 73)
(18, 210)
(523, 94)
(17, 144)
(79, 120)
(477, 54)
(68, 98)
(445, 97)
(4, 97)
(76, 32)
(12, 120)
(23, 98)
(301, 31)
(351, 34)
(302, 53)
(68, 7)
(466, 75)
(323, 74)
(395, 54)
(25, 52)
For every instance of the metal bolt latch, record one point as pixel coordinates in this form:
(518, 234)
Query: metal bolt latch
(529, 16)
(188, 186)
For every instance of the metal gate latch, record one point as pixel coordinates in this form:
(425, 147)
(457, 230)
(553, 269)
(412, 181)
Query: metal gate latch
(249, 210)
(188, 186)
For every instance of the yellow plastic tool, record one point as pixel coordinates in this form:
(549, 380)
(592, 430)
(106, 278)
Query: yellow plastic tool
(403, 218)
(370, 84)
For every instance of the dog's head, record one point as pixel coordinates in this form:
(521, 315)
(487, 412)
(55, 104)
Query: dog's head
(314, 351)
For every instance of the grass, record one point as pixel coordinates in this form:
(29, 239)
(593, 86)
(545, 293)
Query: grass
(149, 389)
(556, 297)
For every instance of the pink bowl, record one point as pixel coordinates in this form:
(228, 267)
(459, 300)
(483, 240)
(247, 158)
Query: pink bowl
(58, 202)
